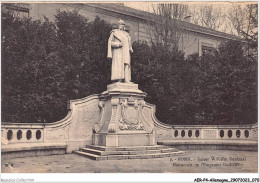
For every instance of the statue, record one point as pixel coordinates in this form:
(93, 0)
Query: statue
(119, 48)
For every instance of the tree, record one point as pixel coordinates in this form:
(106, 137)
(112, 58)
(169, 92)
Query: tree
(210, 16)
(83, 49)
(44, 64)
(162, 73)
(219, 88)
(167, 29)
(244, 19)
(32, 75)
(238, 101)
(226, 86)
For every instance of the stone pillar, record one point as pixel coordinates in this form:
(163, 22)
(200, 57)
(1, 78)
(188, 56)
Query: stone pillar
(123, 121)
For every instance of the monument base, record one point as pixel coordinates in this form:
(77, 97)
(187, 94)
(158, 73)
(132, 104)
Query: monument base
(124, 140)
(132, 152)
(124, 120)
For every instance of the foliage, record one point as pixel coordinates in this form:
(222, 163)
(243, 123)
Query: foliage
(244, 19)
(163, 75)
(44, 64)
(237, 85)
(212, 89)
(84, 48)
(32, 73)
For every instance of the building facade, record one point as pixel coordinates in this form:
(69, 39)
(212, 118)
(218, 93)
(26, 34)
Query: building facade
(195, 39)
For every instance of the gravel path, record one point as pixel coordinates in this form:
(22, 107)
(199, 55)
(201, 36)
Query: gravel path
(192, 161)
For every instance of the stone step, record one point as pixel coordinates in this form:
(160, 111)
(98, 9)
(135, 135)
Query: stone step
(132, 148)
(103, 153)
(89, 155)
(120, 157)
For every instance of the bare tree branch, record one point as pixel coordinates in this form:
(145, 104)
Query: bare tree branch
(167, 29)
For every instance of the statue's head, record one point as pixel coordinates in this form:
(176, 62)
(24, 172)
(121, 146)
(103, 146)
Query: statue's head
(121, 24)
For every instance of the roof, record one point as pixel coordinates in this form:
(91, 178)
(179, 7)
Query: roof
(146, 16)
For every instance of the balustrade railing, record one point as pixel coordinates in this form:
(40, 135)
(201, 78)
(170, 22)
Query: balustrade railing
(25, 133)
(217, 132)
(11, 133)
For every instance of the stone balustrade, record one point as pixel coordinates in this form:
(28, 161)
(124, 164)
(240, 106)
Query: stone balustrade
(21, 133)
(200, 133)
(217, 132)
(203, 137)
(69, 134)
(30, 133)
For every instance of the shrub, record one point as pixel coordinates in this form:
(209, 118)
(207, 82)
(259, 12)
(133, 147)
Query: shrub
(44, 64)
(219, 88)
(32, 71)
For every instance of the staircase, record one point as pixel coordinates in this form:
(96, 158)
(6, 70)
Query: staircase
(118, 153)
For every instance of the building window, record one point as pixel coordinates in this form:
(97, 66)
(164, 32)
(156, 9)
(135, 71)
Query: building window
(206, 47)
(127, 28)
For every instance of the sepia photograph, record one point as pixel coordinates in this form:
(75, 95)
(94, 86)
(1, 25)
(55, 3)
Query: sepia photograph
(129, 87)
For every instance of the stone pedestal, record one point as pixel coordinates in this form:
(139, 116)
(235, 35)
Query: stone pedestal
(123, 122)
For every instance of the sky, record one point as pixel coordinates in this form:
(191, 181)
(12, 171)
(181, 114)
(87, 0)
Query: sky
(145, 6)
(225, 7)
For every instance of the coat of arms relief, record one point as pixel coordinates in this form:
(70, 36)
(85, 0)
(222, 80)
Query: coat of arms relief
(130, 118)
(128, 114)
